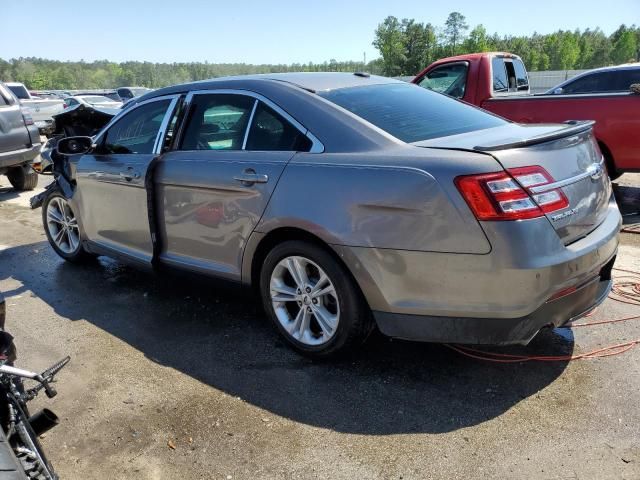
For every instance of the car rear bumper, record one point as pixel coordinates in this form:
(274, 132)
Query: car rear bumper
(19, 157)
(496, 331)
(497, 298)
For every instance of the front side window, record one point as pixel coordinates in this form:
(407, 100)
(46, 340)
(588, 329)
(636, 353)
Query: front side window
(137, 130)
(411, 113)
(449, 79)
(217, 122)
(500, 79)
(271, 132)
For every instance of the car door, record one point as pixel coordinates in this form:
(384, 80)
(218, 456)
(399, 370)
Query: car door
(214, 187)
(111, 189)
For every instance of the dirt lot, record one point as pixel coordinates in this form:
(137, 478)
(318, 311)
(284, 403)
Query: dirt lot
(179, 377)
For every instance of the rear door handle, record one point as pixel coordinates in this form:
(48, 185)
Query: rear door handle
(249, 177)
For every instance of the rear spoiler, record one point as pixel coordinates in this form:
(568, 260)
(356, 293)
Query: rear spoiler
(576, 127)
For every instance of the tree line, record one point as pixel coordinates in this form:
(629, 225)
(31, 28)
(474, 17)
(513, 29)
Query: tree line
(406, 46)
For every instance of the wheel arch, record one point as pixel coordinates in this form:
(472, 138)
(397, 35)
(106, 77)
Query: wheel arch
(260, 244)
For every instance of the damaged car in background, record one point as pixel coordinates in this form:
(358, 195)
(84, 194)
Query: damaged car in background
(348, 201)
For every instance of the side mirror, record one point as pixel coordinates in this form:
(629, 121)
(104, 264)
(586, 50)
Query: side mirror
(635, 88)
(75, 145)
(558, 91)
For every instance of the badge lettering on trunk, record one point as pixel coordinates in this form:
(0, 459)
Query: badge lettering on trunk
(564, 214)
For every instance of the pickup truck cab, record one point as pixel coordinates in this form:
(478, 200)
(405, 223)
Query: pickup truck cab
(498, 82)
(42, 110)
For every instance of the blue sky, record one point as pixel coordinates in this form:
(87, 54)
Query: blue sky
(253, 31)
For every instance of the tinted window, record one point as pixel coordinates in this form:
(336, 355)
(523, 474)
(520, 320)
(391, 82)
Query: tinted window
(270, 131)
(593, 83)
(217, 122)
(500, 79)
(522, 81)
(19, 91)
(450, 79)
(137, 130)
(626, 78)
(410, 113)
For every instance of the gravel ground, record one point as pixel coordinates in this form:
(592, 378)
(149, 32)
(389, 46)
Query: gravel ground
(182, 377)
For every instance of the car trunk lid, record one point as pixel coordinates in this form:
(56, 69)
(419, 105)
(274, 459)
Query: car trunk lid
(569, 153)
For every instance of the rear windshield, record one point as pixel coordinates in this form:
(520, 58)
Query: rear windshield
(19, 91)
(411, 113)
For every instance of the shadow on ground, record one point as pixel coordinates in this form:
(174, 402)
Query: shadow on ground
(219, 335)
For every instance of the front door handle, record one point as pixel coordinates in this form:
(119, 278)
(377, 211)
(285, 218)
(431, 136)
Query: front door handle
(249, 177)
(130, 174)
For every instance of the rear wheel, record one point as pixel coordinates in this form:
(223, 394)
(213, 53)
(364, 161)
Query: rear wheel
(23, 178)
(61, 227)
(312, 300)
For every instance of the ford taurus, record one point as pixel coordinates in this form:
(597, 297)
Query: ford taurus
(349, 201)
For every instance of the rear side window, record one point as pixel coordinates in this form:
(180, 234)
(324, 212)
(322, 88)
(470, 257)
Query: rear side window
(217, 122)
(136, 131)
(449, 79)
(271, 132)
(626, 78)
(411, 113)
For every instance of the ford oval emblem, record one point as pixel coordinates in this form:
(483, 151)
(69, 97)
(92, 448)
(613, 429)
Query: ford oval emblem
(595, 171)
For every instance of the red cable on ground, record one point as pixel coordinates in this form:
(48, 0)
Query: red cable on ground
(624, 291)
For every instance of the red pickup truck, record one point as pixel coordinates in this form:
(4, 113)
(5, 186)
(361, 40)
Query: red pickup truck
(498, 82)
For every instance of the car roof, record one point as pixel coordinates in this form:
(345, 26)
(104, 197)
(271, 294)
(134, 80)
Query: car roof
(310, 81)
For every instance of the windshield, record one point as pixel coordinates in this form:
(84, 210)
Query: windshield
(411, 113)
(19, 91)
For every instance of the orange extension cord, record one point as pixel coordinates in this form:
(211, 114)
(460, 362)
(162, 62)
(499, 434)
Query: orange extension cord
(626, 289)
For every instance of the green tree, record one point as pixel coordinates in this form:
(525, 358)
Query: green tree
(389, 40)
(625, 47)
(454, 31)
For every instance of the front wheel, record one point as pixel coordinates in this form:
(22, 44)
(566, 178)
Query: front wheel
(61, 227)
(312, 299)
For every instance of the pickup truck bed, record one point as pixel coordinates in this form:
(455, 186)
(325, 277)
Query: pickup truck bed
(478, 80)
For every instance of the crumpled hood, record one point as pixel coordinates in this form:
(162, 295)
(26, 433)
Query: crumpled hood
(83, 120)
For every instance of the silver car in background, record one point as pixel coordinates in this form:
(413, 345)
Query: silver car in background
(348, 201)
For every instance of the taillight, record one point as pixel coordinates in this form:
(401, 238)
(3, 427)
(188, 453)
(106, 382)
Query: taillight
(507, 195)
(26, 115)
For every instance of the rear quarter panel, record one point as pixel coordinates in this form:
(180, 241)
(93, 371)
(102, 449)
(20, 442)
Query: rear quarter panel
(370, 201)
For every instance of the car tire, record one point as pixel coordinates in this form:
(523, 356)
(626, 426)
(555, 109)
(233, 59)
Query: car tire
(70, 249)
(22, 178)
(346, 317)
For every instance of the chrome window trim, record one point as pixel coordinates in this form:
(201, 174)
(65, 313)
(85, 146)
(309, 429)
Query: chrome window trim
(316, 145)
(157, 147)
(98, 137)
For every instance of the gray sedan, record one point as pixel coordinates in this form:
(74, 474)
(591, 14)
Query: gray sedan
(348, 201)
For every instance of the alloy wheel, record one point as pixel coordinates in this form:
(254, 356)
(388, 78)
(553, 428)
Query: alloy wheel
(304, 300)
(63, 225)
